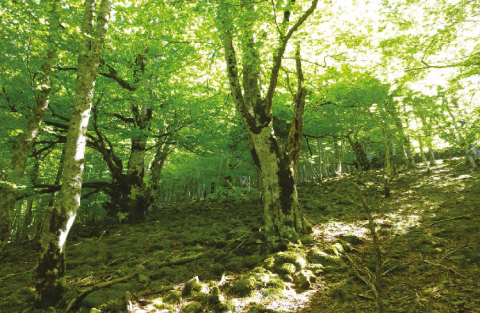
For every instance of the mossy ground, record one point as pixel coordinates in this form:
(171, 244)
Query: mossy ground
(429, 233)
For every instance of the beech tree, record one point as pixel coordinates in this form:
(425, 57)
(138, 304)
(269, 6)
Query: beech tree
(41, 89)
(283, 217)
(50, 280)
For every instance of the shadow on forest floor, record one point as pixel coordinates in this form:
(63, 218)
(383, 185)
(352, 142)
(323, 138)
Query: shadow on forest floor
(429, 233)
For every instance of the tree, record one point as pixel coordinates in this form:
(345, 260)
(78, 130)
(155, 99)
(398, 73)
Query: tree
(24, 144)
(50, 281)
(283, 218)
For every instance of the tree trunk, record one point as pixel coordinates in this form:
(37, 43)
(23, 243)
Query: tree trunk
(50, 281)
(153, 191)
(27, 221)
(293, 146)
(24, 145)
(407, 148)
(361, 156)
(338, 161)
(283, 220)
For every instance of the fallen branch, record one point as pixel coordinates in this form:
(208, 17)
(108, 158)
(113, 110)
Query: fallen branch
(443, 266)
(356, 271)
(466, 217)
(150, 292)
(75, 301)
(378, 253)
(180, 261)
(240, 244)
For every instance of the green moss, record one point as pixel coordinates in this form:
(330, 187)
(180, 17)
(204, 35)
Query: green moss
(335, 249)
(173, 296)
(269, 263)
(193, 307)
(233, 266)
(245, 286)
(290, 257)
(257, 308)
(287, 268)
(317, 256)
(191, 286)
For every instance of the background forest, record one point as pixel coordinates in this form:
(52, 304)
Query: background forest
(124, 116)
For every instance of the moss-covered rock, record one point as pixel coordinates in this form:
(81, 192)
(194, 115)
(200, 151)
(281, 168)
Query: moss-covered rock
(290, 257)
(173, 296)
(98, 298)
(192, 285)
(353, 240)
(335, 249)
(304, 279)
(257, 308)
(216, 270)
(269, 263)
(216, 296)
(245, 286)
(317, 256)
(193, 307)
(287, 268)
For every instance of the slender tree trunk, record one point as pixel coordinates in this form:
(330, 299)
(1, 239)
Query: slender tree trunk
(24, 145)
(293, 146)
(161, 155)
(388, 166)
(27, 221)
(50, 281)
(407, 148)
(338, 161)
(361, 156)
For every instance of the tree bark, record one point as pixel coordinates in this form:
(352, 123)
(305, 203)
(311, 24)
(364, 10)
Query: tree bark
(293, 146)
(283, 219)
(24, 145)
(50, 281)
(153, 192)
(27, 221)
(361, 155)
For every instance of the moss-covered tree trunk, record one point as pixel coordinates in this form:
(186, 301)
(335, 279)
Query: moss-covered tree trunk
(153, 192)
(50, 281)
(360, 154)
(406, 145)
(293, 146)
(23, 146)
(27, 220)
(283, 219)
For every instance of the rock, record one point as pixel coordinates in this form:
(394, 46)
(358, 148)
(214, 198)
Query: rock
(172, 296)
(257, 308)
(193, 307)
(215, 296)
(290, 257)
(287, 268)
(304, 279)
(245, 286)
(95, 300)
(192, 285)
(221, 307)
(335, 249)
(269, 263)
(317, 256)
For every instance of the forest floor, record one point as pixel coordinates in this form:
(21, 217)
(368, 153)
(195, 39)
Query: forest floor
(429, 231)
